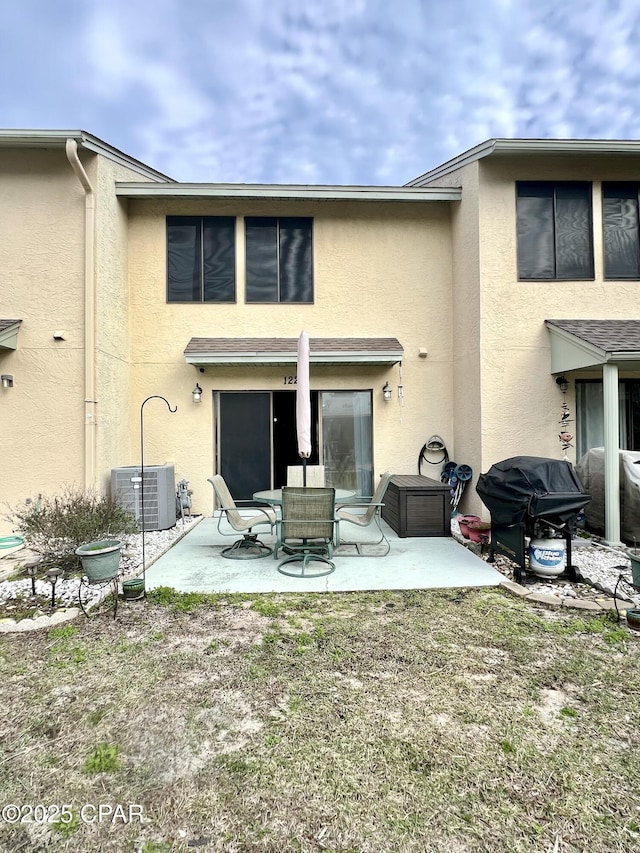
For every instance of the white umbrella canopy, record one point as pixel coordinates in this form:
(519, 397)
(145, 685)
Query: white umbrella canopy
(303, 404)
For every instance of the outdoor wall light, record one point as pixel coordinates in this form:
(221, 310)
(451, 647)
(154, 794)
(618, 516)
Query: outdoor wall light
(7, 380)
(386, 392)
(563, 383)
(197, 394)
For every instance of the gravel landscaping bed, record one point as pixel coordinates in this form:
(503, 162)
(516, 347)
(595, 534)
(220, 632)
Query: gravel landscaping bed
(599, 565)
(16, 594)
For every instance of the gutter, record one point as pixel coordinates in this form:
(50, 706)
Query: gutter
(531, 147)
(71, 149)
(288, 192)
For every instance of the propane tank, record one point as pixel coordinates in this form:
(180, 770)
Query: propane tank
(546, 557)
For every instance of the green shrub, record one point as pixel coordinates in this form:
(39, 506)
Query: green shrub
(55, 526)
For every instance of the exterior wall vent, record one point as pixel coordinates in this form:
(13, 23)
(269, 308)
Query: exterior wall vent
(159, 494)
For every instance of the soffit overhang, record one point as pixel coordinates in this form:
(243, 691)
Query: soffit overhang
(531, 148)
(581, 344)
(207, 351)
(287, 192)
(9, 333)
(26, 138)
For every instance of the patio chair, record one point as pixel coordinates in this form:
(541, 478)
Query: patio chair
(315, 475)
(249, 546)
(306, 531)
(371, 515)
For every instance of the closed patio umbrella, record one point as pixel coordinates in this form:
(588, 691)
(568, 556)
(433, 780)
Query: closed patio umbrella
(303, 404)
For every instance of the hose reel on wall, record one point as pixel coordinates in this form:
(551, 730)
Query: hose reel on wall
(456, 476)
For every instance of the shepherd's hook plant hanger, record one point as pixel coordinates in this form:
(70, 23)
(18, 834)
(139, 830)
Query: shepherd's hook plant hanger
(172, 410)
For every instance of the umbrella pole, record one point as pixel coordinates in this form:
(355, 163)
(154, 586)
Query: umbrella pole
(304, 471)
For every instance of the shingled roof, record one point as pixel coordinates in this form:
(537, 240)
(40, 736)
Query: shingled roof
(607, 335)
(284, 350)
(577, 344)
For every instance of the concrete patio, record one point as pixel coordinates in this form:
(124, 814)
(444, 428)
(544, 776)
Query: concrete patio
(195, 564)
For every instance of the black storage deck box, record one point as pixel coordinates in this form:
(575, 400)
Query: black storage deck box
(417, 506)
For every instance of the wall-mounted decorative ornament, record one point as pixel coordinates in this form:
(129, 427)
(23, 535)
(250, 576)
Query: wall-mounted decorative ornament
(564, 437)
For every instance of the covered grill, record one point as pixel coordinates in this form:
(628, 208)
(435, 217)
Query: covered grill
(531, 496)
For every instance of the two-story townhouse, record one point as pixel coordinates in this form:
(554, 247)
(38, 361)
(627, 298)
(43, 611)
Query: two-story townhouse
(129, 294)
(222, 281)
(546, 248)
(464, 294)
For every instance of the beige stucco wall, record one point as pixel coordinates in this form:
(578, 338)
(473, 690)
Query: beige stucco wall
(113, 323)
(379, 270)
(434, 275)
(516, 342)
(505, 344)
(467, 311)
(41, 258)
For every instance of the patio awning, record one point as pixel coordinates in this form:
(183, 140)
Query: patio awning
(609, 345)
(9, 333)
(203, 351)
(579, 344)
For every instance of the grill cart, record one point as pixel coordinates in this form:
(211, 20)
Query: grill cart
(536, 498)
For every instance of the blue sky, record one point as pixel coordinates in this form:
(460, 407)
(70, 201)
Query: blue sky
(319, 91)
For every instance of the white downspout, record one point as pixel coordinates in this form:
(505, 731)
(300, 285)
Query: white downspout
(89, 316)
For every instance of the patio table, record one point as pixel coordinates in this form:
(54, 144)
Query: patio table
(274, 496)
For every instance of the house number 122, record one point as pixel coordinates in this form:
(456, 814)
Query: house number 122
(290, 380)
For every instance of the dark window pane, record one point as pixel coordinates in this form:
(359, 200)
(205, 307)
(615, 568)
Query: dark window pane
(219, 259)
(535, 236)
(554, 230)
(574, 255)
(296, 273)
(621, 237)
(261, 240)
(183, 259)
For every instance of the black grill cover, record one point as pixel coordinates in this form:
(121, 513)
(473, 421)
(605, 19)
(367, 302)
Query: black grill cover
(531, 486)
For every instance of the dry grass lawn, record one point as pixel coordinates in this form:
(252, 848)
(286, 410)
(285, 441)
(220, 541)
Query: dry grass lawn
(438, 722)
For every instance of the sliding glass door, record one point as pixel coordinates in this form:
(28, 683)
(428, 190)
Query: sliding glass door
(256, 439)
(590, 415)
(346, 431)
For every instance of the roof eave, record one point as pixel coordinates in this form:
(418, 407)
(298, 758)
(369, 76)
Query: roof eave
(57, 138)
(570, 352)
(530, 147)
(203, 359)
(288, 192)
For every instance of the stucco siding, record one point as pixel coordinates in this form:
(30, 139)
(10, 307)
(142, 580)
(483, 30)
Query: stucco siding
(379, 270)
(464, 440)
(441, 277)
(521, 401)
(41, 258)
(114, 438)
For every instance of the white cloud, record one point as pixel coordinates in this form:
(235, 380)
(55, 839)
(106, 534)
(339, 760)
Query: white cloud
(329, 92)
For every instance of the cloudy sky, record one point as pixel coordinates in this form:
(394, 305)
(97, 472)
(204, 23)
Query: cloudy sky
(318, 91)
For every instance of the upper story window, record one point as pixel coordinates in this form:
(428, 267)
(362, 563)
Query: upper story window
(555, 239)
(621, 231)
(201, 259)
(279, 259)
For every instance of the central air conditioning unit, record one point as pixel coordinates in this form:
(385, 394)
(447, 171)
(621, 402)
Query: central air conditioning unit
(159, 494)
